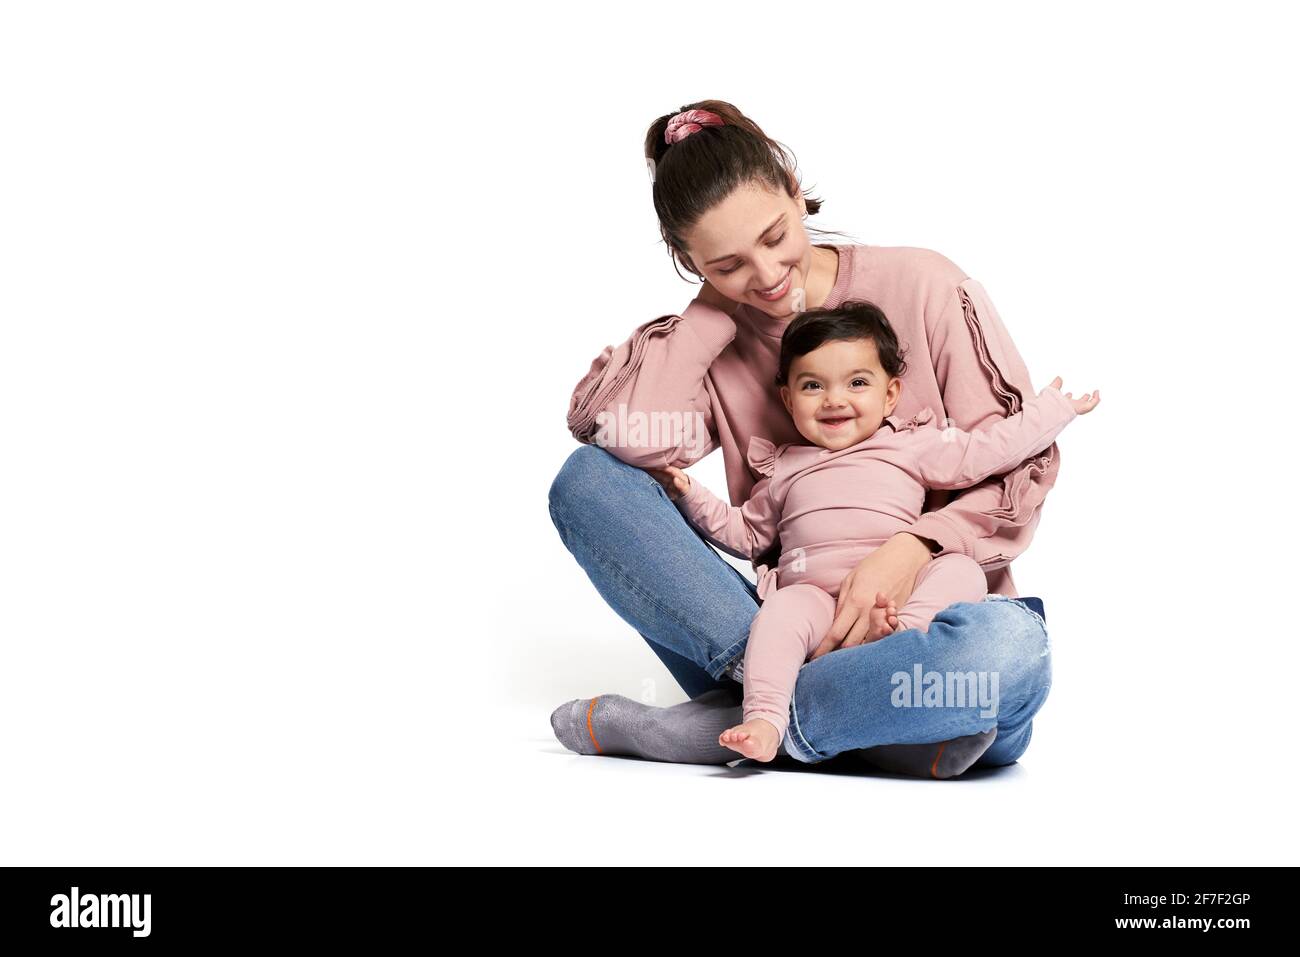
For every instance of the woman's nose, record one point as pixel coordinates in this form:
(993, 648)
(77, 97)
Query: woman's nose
(771, 274)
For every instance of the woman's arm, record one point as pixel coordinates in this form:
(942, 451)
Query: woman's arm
(888, 573)
(982, 378)
(657, 378)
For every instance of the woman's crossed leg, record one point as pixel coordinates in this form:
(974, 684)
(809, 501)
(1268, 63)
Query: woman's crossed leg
(977, 674)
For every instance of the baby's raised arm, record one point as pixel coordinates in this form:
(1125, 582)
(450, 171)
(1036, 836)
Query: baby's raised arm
(952, 458)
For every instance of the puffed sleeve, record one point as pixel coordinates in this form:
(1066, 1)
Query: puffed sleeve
(982, 378)
(924, 417)
(761, 456)
(658, 370)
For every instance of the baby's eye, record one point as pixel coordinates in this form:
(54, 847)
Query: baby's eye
(860, 382)
(809, 385)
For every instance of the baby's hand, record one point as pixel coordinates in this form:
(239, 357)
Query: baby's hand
(675, 482)
(1086, 403)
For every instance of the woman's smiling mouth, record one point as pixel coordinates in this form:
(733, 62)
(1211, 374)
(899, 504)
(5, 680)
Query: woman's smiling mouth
(780, 289)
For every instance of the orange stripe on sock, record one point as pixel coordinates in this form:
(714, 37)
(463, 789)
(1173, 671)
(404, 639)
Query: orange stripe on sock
(934, 767)
(592, 734)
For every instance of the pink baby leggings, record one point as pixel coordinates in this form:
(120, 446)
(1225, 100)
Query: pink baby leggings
(794, 619)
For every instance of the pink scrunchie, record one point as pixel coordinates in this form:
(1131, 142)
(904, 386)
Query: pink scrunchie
(685, 123)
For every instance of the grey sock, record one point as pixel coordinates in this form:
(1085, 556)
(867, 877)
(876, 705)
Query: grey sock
(685, 733)
(942, 759)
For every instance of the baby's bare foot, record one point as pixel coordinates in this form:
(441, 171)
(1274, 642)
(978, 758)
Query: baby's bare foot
(882, 618)
(757, 739)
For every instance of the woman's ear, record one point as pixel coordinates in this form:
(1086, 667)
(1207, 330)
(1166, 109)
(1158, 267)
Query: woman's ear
(684, 259)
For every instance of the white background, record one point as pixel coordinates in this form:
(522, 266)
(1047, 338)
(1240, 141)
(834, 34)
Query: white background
(293, 299)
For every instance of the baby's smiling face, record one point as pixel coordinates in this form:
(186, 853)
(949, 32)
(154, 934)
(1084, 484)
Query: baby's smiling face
(838, 395)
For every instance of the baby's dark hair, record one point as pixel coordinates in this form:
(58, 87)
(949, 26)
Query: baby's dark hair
(852, 320)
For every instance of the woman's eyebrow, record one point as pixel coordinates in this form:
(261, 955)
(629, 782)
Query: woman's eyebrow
(772, 225)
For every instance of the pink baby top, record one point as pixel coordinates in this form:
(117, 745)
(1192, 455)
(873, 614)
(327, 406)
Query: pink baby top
(962, 365)
(832, 508)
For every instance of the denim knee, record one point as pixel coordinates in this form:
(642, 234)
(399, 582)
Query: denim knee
(586, 468)
(1020, 644)
(573, 474)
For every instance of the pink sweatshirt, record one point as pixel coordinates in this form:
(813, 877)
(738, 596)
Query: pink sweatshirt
(962, 365)
(833, 508)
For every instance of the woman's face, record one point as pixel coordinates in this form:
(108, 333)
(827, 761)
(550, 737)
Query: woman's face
(753, 243)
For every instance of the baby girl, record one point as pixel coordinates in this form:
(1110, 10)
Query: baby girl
(863, 479)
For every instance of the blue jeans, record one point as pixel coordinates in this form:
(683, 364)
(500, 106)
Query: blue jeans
(661, 576)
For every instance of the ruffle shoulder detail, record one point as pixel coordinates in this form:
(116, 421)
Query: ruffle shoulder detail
(924, 417)
(761, 456)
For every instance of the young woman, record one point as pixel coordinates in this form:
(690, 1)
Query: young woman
(732, 212)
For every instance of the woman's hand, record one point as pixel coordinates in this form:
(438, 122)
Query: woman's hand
(675, 482)
(889, 573)
(714, 298)
(1084, 404)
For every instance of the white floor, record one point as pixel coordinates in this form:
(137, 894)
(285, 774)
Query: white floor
(332, 754)
(1067, 801)
(1115, 780)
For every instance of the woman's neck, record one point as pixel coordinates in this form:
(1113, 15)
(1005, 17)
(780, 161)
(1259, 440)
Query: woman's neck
(823, 276)
(825, 271)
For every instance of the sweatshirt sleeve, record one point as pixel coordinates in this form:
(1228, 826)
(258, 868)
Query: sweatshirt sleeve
(646, 401)
(746, 531)
(951, 458)
(982, 378)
